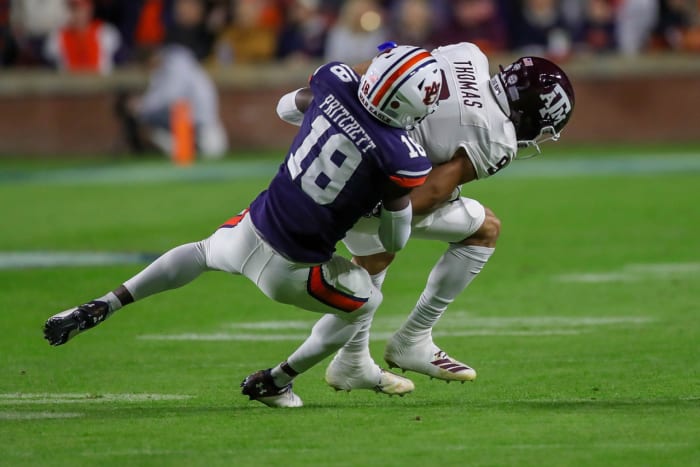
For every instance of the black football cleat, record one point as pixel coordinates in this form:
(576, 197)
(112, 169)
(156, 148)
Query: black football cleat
(63, 326)
(260, 387)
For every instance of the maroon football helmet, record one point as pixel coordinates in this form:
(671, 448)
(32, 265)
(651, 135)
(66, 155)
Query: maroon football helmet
(537, 96)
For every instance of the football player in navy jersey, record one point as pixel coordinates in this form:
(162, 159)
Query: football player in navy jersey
(351, 152)
(481, 122)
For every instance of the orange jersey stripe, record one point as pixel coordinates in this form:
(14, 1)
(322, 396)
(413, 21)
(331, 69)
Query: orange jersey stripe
(324, 292)
(387, 84)
(408, 182)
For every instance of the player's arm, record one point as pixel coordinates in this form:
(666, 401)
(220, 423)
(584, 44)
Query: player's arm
(291, 106)
(395, 218)
(442, 182)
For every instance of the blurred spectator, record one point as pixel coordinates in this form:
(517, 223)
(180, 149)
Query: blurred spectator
(414, 22)
(8, 46)
(252, 35)
(597, 33)
(31, 22)
(679, 26)
(142, 23)
(332, 7)
(636, 20)
(539, 28)
(190, 27)
(84, 44)
(111, 11)
(477, 21)
(176, 76)
(303, 35)
(357, 33)
(149, 30)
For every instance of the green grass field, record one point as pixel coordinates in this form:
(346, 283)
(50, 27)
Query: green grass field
(584, 326)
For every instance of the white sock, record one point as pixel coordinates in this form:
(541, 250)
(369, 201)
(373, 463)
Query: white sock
(356, 350)
(173, 269)
(378, 279)
(328, 335)
(457, 267)
(112, 301)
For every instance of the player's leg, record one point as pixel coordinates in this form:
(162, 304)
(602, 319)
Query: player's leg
(412, 347)
(349, 368)
(340, 290)
(345, 370)
(368, 252)
(173, 269)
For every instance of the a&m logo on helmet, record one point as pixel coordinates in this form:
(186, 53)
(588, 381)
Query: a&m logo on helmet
(557, 105)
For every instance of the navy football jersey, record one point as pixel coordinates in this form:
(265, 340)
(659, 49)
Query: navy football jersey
(335, 171)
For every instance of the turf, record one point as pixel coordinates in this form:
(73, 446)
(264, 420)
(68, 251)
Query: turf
(583, 327)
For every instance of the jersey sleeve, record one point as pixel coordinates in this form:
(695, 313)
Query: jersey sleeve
(406, 163)
(333, 73)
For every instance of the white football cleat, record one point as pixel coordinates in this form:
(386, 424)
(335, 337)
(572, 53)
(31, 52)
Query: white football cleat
(426, 358)
(343, 377)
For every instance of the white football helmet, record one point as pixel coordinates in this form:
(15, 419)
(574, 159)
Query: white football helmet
(401, 86)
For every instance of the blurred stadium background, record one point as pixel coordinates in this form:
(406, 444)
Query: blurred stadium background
(634, 63)
(583, 327)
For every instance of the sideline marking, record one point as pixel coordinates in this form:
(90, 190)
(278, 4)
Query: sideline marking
(140, 173)
(161, 172)
(51, 259)
(79, 398)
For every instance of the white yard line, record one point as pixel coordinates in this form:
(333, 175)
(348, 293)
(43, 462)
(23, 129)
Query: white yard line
(459, 323)
(79, 398)
(635, 272)
(45, 259)
(221, 337)
(14, 415)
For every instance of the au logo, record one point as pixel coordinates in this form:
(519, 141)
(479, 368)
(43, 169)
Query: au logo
(431, 93)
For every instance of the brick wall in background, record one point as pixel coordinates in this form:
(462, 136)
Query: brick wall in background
(55, 116)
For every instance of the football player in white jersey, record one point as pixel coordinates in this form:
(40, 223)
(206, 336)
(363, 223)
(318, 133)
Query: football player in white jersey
(477, 130)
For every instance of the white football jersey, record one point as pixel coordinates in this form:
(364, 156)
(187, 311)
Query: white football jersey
(468, 115)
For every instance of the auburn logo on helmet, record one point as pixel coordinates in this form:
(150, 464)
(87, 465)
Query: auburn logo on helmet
(432, 92)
